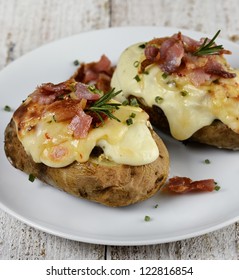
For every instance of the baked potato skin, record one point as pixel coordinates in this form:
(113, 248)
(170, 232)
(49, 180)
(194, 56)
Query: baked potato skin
(109, 184)
(217, 134)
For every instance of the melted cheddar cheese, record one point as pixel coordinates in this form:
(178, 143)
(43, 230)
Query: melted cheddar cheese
(186, 106)
(52, 142)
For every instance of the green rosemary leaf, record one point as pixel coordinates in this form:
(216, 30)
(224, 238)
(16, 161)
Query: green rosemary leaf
(103, 106)
(208, 48)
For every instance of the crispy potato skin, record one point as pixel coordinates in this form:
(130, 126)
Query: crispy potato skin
(217, 134)
(109, 184)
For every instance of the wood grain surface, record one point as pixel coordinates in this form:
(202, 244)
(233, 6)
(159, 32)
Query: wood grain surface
(26, 25)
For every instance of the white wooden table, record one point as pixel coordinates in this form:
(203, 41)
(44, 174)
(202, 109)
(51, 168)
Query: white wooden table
(26, 25)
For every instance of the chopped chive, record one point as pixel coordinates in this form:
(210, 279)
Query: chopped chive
(165, 75)
(217, 188)
(31, 178)
(134, 102)
(7, 108)
(207, 161)
(76, 62)
(147, 218)
(136, 63)
(129, 121)
(137, 78)
(142, 46)
(133, 115)
(184, 93)
(146, 72)
(125, 102)
(158, 99)
(54, 118)
(156, 206)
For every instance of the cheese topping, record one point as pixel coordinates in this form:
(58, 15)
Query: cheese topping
(186, 106)
(53, 144)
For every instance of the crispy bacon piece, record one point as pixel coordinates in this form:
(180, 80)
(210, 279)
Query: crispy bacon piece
(96, 73)
(57, 98)
(48, 92)
(213, 67)
(80, 124)
(64, 110)
(82, 91)
(185, 184)
(49, 88)
(176, 55)
(103, 65)
(171, 54)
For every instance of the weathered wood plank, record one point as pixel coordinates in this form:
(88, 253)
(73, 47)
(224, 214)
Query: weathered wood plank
(26, 25)
(19, 241)
(218, 245)
(203, 16)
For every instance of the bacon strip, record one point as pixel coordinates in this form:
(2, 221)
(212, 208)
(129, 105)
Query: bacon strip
(47, 93)
(82, 91)
(185, 184)
(80, 124)
(171, 54)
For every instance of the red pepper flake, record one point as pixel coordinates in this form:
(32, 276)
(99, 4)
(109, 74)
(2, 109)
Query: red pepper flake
(47, 136)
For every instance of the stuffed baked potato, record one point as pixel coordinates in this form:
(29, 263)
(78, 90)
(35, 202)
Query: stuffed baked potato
(116, 159)
(186, 86)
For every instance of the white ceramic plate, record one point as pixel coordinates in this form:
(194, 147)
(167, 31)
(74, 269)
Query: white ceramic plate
(177, 216)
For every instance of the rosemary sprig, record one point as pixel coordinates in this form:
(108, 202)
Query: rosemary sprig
(210, 47)
(103, 106)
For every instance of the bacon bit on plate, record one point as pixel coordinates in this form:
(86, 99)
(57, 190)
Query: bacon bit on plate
(184, 184)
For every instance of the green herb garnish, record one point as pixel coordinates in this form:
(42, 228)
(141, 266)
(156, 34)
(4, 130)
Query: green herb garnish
(31, 178)
(164, 75)
(125, 102)
(103, 106)
(217, 188)
(142, 46)
(156, 206)
(147, 218)
(129, 121)
(184, 93)
(133, 115)
(209, 47)
(136, 63)
(158, 99)
(134, 102)
(137, 78)
(93, 89)
(76, 62)
(7, 108)
(207, 161)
